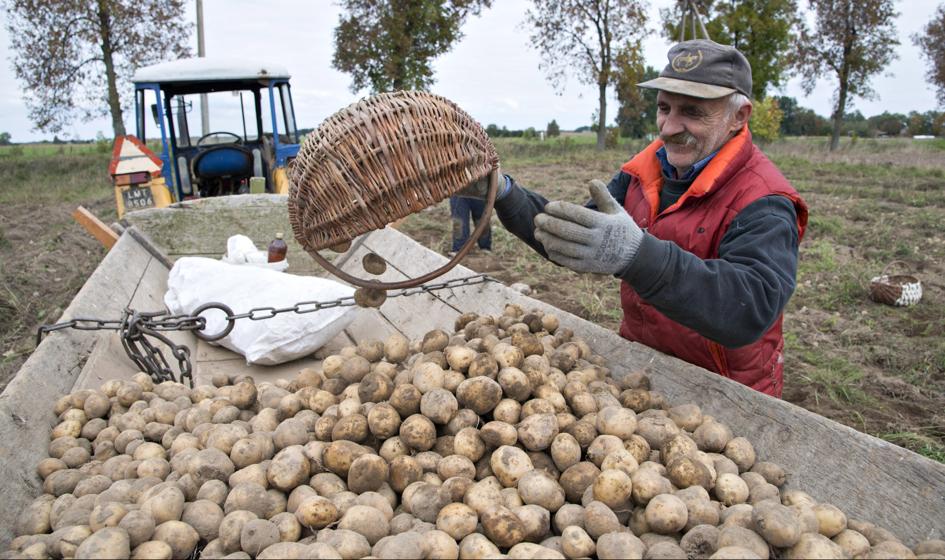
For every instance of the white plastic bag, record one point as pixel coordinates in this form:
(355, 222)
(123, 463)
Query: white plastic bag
(195, 281)
(241, 250)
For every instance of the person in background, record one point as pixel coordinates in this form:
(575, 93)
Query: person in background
(461, 208)
(700, 227)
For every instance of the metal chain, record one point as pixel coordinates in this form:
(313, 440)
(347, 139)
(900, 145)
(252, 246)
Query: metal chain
(135, 326)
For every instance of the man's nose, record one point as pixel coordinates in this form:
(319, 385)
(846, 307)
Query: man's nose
(672, 124)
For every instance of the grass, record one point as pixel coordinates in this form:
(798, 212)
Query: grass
(835, 378)
(917, 442)
(48, 173)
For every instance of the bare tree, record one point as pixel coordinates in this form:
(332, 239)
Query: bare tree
(72, 56)
(932, 43)
(851, 39)
(390, 44)
(585, 37)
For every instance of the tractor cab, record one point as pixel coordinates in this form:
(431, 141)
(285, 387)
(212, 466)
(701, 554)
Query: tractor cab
(245, 108)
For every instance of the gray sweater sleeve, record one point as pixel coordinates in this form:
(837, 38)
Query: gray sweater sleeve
(735, 298)
(732, 300)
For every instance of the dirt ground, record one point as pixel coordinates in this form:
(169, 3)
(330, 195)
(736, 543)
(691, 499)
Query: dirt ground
(875, 368)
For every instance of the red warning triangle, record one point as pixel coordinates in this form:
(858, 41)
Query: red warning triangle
(130, 155)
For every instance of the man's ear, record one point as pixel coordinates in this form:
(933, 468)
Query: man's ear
(741, 117)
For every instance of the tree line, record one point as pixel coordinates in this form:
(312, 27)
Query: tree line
(73, 59)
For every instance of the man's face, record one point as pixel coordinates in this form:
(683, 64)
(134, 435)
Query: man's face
(692, 128)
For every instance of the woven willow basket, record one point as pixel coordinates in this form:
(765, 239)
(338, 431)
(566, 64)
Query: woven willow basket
(900, 290)
(380, 160)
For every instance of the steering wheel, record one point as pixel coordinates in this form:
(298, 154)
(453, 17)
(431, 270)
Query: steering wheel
(237, 139)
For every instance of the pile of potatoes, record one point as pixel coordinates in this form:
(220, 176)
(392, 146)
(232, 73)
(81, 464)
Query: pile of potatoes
(508, 438)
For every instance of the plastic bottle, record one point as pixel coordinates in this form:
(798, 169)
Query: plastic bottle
(277, 249)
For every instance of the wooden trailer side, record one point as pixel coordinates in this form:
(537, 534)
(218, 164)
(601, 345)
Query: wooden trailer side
(26, 405)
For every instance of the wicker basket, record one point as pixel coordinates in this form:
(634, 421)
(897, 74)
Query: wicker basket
(382, 159)
(900, 290)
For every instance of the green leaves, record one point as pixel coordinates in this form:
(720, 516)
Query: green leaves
(390, 45)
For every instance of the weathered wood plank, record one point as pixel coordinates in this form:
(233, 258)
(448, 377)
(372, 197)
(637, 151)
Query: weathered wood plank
(201, 227)
(26, 412)
(867, 477)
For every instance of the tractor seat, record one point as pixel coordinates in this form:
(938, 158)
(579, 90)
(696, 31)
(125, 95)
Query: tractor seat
(223, 161)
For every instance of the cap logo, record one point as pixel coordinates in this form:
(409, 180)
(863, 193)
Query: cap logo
(687, 61)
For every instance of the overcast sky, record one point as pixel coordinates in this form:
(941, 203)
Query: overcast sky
(492, 73)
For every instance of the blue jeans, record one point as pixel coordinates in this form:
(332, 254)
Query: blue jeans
(460, 210)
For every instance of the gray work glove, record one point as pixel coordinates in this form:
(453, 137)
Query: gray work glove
(480, 188)
(603, 241)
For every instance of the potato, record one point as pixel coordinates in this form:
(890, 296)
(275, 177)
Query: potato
(138, 525)
(181, 537)
(616, 421)
(771, 472)
(348, 543)
(501, 526)
(205, 517)
(418, 432)
(396, 348)
(477, 546)
(365, 521)
(457, 520)
(576, 543)
(152, 550)
(288, 469)
(777, 524)
(247, 496)
(480, 394)
(737, 536)
(367, 473)
(515, 384)
(613, 488)
(616, 545)
(685, 471)
(35, 518)
(537, 431)
(316, 512)
(438, 405)
(813, 545)
(734, 553)
(730, 489)
(258, 535)
(853, 543)
(510, 464)
(656, 430)
(578, 478)
(666, 514)
(831, 521)
(647, 484)
(165, 505)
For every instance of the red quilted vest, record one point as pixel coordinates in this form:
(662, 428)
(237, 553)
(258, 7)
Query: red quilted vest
(737, 176)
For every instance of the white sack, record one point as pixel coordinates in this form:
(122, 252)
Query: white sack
(195, 281)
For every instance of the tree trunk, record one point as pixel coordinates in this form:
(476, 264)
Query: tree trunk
(838, 115)
(602, 116)
(114, 100)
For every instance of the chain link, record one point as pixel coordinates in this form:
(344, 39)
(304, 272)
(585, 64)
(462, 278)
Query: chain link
(135, 327)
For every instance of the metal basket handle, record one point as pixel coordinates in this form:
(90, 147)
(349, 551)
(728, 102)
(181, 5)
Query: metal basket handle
(411, 282)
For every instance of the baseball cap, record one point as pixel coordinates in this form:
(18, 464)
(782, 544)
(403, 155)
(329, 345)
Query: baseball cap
(704, 69)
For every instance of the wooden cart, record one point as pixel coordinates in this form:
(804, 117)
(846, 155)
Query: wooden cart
(868, 478)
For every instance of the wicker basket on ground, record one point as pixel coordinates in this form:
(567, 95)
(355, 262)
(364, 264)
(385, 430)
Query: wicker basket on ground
(380, 160)
(900, 290)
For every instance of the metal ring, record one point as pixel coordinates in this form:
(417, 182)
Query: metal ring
(229, 320)
(484, 222)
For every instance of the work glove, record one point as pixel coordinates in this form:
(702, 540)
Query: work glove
(479, 188)
(602, 241)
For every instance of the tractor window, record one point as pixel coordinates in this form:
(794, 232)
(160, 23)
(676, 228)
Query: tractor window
(284, 118)
(288, 110)
(148, 127)
(233, 112)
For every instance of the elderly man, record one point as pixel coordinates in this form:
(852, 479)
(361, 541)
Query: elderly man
(700, 226)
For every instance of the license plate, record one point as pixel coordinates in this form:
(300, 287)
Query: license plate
(137, 197)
